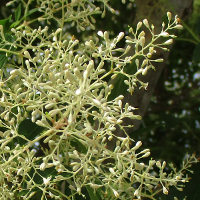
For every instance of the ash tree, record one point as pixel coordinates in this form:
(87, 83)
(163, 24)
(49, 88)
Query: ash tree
(58, 121)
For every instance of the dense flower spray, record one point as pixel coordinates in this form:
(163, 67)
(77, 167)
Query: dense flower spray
(58, 84)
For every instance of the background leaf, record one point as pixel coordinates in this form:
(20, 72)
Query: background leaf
(3, 60)
(93, 195)
(18, 12)
(29, 129)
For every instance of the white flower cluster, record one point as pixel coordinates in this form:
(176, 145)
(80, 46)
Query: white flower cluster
(59, 83)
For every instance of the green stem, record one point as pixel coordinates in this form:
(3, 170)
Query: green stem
(8, 51)
(63, 19)
(26, 148)
(59, 192)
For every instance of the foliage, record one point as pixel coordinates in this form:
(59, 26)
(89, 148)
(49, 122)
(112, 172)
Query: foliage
(57, 117)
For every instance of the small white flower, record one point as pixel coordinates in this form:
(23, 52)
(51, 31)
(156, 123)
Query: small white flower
(138, 145)
(96, 102)
(164, 34)
(179, 26)
(165, 191)
(168, 42)
(78, 92)
(116, 193)
(159, 60)
(100, 33)
(112, 45)
(54, 38)
(95, 186)
(120, 36)
(136, 192)
(139, 24)
(27, 55)
(111, 170)
(42, 166)
(146, 23)
(169, 16)
(14, 72)
(146, 155)
(110, 137)
(130, 108)
(46, 181)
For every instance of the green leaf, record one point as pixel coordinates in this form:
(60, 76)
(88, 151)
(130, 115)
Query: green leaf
(78, 145)
(18, 12)
(17, 22)
(30, 12)
(3, 56)
(3, 60)
(29, 129)
(93, 194)
(6, 23)
(24, 191)
(6, 29)
(119, 87)
(3, 22)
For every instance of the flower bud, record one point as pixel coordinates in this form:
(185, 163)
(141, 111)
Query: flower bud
(96, 102)
(139, 24)
(137, 146)
(27, 55)
(169, 16)
(165, 191)
(46, 181)
(142, 41)
(50, 105)
(179, 27)
(159, 60)
(120, 36)
(116, 193)
(100, 33)
(42, 166)
(106, 35)
(164, 34)
(111, 170)
(168, 42)
(52, 113)
(146, 23)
